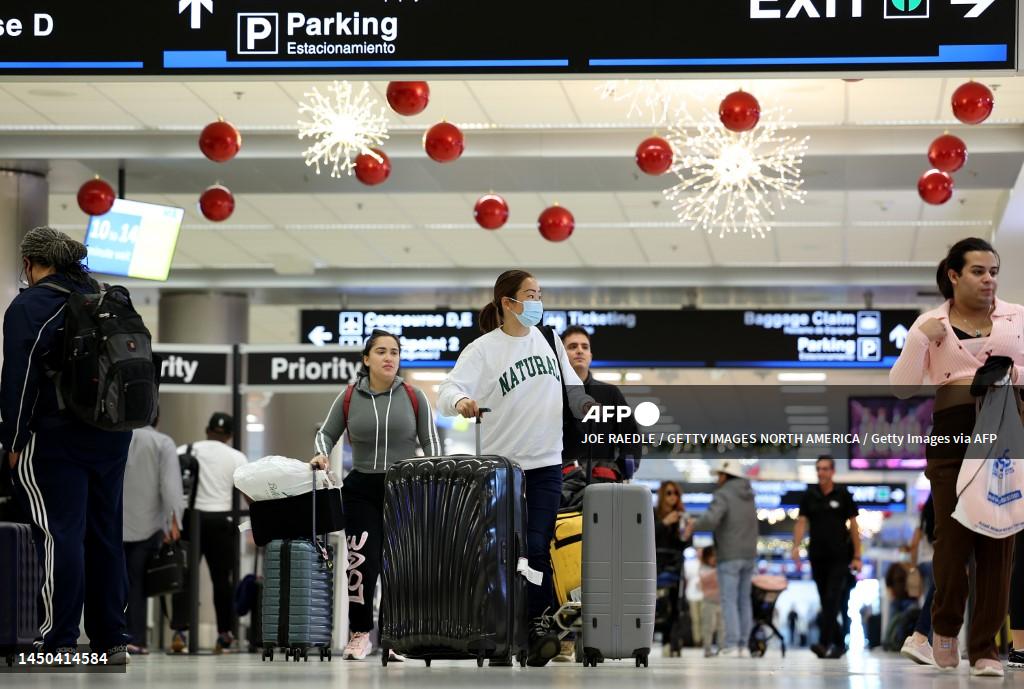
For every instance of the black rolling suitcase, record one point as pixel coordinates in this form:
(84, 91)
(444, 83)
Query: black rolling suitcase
(454, 532)
(21, 580)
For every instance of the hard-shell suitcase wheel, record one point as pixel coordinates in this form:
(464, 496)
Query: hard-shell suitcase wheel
(521, 658)
(427, 661)
(385, 655)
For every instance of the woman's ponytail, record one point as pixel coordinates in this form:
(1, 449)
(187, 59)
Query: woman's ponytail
(489, 318)
(943, 281)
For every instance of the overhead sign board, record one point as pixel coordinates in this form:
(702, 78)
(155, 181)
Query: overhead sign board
(891, 497)
(273, 368)
(194, 368)
(822, 338)
(265, 37)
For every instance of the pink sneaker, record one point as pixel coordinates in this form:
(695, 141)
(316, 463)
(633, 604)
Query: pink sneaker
(946, 652)
(358, 647)
(986, 667)
(920, 653)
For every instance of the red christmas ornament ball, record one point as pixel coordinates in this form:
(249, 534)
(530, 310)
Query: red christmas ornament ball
(217, 203)
(408, 97)
(556, 224)
(935, 187)
(947, 153)
(95, 197)
(371, 171)
(972, 103)
(739, 111)
(490, 211)
(220, 141)
(654, 156)
(444, 142)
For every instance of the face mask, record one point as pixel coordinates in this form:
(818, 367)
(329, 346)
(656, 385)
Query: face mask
(532, 312)
(23, 280)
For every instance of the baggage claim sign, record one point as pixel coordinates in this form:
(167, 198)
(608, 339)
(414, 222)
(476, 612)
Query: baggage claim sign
(273, 37)
(823, 338)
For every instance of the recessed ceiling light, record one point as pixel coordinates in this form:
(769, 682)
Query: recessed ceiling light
(802, 377)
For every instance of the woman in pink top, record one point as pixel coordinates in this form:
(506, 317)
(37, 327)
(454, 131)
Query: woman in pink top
(947, 345)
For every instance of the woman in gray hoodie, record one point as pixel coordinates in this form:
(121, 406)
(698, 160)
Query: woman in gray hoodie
(384, 417)
(732, 517)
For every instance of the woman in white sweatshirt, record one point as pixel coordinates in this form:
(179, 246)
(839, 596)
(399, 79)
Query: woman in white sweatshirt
(522, 377)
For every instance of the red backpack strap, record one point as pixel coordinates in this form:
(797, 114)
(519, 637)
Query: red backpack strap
(412, 398)
(346, 402)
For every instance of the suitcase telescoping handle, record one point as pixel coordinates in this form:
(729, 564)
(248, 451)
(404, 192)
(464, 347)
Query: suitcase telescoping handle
(316, 543)
(479, 418)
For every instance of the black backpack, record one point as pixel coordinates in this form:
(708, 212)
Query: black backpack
(107, 377)
(572, 434)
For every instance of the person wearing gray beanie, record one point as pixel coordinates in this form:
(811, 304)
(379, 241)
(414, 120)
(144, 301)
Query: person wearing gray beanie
(45, 251)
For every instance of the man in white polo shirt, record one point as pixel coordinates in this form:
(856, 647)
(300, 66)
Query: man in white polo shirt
(218, 536)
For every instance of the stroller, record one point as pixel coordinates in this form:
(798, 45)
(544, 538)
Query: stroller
(765, 591)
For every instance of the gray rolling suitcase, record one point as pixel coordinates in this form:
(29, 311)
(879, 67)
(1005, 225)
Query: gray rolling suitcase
(619, 573)
(297, 601)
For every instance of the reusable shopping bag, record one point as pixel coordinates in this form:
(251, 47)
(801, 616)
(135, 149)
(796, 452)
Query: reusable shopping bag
(990, 487)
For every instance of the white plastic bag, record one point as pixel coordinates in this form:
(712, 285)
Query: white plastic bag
(278, 477)
(991, 490)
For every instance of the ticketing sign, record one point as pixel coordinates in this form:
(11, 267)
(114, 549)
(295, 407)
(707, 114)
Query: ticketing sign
(422, 37)
(820, 338)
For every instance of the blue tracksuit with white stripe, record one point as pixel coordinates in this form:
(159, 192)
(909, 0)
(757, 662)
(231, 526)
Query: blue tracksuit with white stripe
(69, 477)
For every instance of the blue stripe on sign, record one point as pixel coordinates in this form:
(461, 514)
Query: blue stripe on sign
(71, 65)
(218, 59)
(948, 54)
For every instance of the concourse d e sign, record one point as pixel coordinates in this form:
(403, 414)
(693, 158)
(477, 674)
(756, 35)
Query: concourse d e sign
(40, 25)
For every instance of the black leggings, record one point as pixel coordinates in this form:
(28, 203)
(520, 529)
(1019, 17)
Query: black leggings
(363, 498)
(1017, 585)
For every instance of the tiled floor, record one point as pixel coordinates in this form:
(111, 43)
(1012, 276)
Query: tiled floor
(800, 670)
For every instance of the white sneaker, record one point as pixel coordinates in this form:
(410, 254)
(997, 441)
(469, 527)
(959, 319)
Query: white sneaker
(729, 652)
(744, 652)
(919, 653)
(987, 668)
(395, 657)
(358, 647)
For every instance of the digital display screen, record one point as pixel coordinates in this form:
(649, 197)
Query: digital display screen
(134, 239)
(889, 429)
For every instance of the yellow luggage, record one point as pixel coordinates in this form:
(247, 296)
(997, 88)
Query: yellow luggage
(567, 555)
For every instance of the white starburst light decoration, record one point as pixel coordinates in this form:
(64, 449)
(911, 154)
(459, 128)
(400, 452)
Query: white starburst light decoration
(345, 124)
(656, 100)
(733, 182)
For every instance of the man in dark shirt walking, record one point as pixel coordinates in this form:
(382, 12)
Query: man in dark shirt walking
(577, 347)
(834, 550)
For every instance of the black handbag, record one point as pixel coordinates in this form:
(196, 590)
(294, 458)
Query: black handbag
(166, 570)
(288, 518)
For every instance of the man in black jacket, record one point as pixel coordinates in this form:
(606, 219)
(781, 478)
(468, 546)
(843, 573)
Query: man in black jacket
(577, 346)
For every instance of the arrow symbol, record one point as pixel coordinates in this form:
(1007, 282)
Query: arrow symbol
(319, 336)
(979, 7)
(197, 7)
(898, 336)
